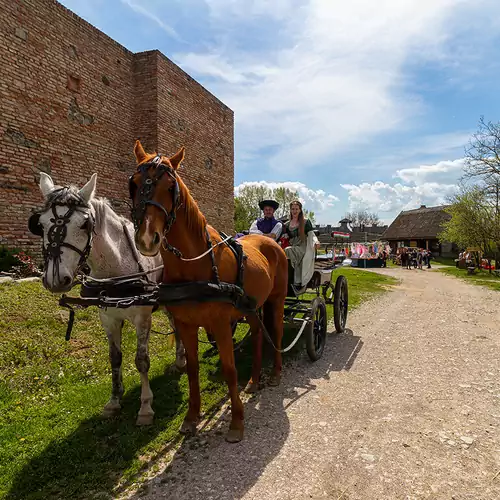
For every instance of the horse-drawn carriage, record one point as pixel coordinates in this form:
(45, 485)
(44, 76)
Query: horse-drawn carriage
(218, 283)
(305, 306)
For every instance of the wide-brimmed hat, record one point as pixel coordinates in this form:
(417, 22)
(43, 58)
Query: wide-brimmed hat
(268, 203)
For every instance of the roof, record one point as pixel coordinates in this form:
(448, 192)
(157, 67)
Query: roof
(421, 223)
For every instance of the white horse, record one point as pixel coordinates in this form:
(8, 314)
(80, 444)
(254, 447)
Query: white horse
(76, 228)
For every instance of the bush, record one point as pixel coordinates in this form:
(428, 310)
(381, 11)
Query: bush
(25, 266)
(7, 258)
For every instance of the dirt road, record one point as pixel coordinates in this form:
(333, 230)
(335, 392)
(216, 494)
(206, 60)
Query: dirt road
(404, 406)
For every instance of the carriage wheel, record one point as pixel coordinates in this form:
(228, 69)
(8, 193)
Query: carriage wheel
(340, 304)
(316, 329)
(328, 293)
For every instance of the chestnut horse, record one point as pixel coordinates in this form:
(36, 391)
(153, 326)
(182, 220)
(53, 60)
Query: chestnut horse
(168, 220)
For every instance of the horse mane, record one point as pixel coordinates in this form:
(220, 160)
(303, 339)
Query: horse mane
(101, 205)
(64, 195)
(195, 220)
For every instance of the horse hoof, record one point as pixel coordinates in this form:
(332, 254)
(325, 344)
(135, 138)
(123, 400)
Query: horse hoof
(111, 411)
(174, 369)
(188, 428)
(144, 420)
(182, 368)
(251, 387)
(234, 435)
(274, 380)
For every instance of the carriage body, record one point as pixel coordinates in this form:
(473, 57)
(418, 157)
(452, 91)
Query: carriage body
(308, 305)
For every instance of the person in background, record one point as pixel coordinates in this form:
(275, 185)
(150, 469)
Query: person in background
(404, 258)
(267, 225)
(420, 258)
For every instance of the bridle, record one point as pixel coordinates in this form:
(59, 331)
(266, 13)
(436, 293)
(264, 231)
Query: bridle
(146, 192)
(58, 231)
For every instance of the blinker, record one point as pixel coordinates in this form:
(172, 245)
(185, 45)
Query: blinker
(34, 225)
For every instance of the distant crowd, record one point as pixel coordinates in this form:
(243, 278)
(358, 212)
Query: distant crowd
(413, 258)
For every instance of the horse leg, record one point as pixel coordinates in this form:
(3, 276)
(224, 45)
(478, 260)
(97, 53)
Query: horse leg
(273, 319)
(189, 337)
(224, 341)
(253, 384)
(113, 328)
(142, 328)
(180, 352)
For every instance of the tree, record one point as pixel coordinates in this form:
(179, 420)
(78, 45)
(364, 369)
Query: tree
(362, 218)
(474, 221)
(309, 214)
(482, 155)
(242, 216)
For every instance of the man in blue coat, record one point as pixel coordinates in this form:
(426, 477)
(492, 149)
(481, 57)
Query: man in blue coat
(267, 225)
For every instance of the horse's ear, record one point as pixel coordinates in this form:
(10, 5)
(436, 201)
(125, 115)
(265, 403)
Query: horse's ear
(46, 184)
(140, 154)
(176, 160)
(87, 192)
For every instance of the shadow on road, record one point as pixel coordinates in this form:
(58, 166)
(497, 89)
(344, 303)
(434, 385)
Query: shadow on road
(209, 468)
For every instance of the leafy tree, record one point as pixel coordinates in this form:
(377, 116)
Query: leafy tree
(242, 217)
(474, 221)
(309, 214)
(360, 218)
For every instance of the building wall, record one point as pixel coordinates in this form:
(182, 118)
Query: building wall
(189, 115)
(438, 249)
(73, 101)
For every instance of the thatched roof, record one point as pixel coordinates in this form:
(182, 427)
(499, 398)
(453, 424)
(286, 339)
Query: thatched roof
(422, 223)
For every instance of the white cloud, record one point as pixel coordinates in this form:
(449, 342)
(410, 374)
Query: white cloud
(333, 83)
(422, 185)
(443, 169)
(318, 201)
(381, 197)
(140, 9)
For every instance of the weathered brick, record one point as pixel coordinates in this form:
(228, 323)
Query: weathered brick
(91, 126)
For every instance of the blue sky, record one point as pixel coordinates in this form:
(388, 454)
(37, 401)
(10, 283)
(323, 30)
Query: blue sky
(357, 105)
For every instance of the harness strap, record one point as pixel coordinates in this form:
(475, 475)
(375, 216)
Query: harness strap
(133, 249)
(239, 254)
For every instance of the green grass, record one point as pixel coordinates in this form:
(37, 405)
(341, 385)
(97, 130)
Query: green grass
(53, 441)
(482, 278)
(443, 261)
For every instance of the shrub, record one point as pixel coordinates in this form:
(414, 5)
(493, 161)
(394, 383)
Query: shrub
(7, 258)
(25, 267)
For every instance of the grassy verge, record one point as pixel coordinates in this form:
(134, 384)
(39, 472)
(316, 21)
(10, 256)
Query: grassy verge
(482, 278)
(444, 261)
(53, 442)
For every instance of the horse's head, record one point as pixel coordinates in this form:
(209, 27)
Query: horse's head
(154, 190)
(66, 225)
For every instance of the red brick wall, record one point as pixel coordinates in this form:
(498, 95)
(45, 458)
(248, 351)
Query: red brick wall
(72, 102)
(189, 115)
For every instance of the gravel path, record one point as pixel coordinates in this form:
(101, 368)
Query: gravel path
(406, 405)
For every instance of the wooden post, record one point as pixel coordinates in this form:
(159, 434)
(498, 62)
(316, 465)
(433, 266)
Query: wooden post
(427, 244)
